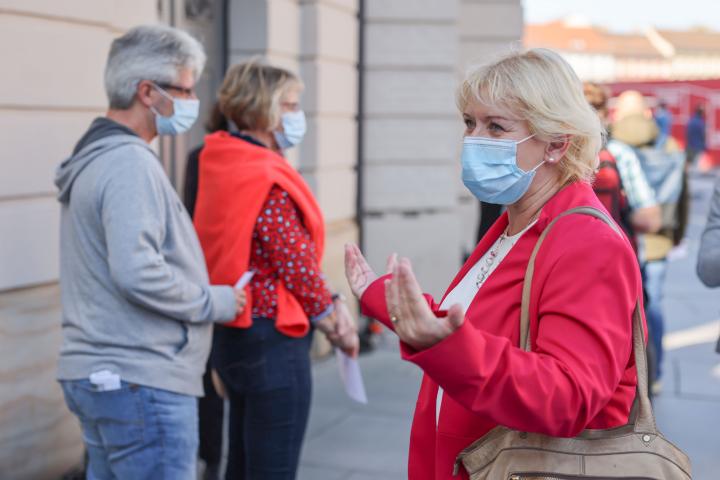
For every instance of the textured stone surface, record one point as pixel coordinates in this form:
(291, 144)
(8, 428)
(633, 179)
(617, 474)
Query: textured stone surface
(410, 188)
(498, 19)
(417, 11)
(413, 140)
(409, 45)
(39, 438)
(30, 171)
(430, 240)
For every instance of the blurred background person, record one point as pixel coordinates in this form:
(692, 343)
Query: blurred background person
(137, 305)
(254, 212)
(708, 261)
(634, 125)
(695, 137)
(663, 120)
(619, 180)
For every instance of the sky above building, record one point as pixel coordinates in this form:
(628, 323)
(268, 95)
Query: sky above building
(624, 15)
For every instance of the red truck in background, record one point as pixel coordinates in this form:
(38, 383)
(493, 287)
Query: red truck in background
(682, 98)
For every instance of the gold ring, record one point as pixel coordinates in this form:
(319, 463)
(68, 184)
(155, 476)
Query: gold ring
(394, 319)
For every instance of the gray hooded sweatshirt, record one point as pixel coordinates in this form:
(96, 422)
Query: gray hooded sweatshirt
(135, 293)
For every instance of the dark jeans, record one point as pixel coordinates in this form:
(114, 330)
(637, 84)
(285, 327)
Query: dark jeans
(210, 413)
(267, 375)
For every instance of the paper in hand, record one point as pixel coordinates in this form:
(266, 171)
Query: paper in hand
(351, 377)
(244, 279)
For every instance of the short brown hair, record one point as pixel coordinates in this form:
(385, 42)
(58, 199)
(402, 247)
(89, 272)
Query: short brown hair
(250, 94)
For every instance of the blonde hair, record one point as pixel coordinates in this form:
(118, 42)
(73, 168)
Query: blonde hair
(250, 94)
(542, 89)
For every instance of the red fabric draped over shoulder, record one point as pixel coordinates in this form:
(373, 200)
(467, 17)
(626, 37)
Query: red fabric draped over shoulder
(235, 178)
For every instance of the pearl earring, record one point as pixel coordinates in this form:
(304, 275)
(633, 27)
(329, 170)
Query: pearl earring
(551, 159)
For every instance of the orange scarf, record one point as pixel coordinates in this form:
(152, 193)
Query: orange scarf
(235, 178)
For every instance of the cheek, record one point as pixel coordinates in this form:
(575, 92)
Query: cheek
(530, 156)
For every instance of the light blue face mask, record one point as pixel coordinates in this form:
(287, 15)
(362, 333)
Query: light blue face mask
(185, 112)
(490, 171)
(294, 127)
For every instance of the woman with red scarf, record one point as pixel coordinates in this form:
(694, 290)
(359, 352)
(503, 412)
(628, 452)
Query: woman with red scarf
(255, 213)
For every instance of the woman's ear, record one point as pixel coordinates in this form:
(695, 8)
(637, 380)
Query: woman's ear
(557, 148)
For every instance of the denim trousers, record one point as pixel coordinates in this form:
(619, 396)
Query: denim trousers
(135, 432)
(268, 380)
(654, 273)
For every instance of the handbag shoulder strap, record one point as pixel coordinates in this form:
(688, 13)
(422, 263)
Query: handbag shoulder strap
(644, 420)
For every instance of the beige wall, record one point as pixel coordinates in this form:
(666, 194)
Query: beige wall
(409, 170)
(328, 155)
(414, 201)
(53, 55)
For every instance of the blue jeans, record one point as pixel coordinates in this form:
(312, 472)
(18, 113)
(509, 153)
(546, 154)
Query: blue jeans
(268, 380)
(135, 432)
(654, 273)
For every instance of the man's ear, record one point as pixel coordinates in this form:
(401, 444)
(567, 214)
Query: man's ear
(145, 93)
(557, 148)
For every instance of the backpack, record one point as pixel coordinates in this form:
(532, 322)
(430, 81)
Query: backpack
(609, 189)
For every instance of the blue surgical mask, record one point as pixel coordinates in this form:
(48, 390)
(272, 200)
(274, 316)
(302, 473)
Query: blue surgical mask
(294, 128)
(185, 112)
(490, 171)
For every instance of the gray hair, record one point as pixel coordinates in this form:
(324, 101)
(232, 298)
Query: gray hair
(149, 52)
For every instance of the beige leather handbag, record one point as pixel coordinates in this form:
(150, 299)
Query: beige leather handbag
(636, 451)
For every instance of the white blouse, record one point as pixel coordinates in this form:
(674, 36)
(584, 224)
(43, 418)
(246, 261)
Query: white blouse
(465, 291)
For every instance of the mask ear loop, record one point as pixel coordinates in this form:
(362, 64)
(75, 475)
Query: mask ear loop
(526, 138)
(166, 95)
(536, 166)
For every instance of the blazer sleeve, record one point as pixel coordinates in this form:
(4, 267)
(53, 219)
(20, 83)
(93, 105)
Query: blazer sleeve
(373, 305)
(708, 263)
(580, 352)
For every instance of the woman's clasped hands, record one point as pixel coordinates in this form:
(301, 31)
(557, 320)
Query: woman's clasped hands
(413, 320)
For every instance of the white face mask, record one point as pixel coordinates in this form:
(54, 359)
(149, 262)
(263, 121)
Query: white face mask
(185, 112)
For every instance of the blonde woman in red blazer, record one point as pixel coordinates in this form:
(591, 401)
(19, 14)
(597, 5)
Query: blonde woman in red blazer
(531, 142)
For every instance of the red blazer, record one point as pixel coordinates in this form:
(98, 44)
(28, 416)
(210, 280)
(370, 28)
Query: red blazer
(580, 373)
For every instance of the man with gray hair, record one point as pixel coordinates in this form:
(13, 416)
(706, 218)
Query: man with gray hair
(137, 306)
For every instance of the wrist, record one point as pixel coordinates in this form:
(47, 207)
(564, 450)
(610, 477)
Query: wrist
(327, 323)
